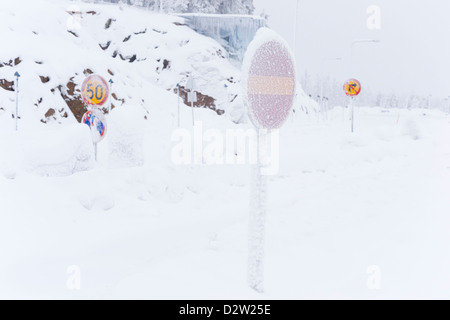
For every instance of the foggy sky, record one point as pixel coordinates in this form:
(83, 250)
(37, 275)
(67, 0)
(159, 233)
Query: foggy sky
(413, 56)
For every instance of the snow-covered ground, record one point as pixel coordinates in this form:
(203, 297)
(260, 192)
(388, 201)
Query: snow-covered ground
(347, 213)
(340, 204)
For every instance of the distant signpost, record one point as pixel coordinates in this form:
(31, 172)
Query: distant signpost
(269, 82)
(352, 88)
(192, 95)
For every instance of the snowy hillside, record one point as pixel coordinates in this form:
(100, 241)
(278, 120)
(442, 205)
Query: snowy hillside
(143, 53)
(55, 44)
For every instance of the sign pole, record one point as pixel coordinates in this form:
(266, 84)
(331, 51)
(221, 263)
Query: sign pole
(353, 113)
(192, 106)
(96, 151)
(178, 104)
(352, 88)
(17, 100)
(257, 223)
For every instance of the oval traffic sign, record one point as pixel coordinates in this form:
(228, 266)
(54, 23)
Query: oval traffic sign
(352, 87)
(269, 81)
(95, 90)
(97, 123)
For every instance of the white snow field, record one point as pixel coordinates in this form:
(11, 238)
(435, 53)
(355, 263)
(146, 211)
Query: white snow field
(340, 204)
(363, 215)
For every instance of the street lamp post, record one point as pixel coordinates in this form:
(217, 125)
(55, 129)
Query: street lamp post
(356, 42)
(296, 28)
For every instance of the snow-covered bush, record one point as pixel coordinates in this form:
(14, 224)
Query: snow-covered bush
(411, 128)
(54, 152)
(126, 137)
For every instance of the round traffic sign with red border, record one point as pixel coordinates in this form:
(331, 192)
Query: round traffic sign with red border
(95, 90)
(352, 87)
(269, 80)
(97, 123)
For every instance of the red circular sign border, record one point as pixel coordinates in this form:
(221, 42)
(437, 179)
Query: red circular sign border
(359, 85)
(264, 37)
(101, 117)
(83, 88)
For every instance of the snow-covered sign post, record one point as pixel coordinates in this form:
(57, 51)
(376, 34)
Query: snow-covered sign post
(352, 88)
(269, 84)
(95, 93)
(17, 75)
(178, 105)
(192, 95)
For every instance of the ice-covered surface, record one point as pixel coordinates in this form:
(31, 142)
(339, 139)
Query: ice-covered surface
(234, 32)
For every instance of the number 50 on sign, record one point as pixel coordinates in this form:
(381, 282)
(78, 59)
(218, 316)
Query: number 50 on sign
(95, 90)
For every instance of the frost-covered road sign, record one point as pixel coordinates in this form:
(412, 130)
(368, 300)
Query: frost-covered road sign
(270, 83)
(269, 93)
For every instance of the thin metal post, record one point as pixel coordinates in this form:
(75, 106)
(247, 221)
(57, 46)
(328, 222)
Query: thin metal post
(258, 218)
(192, 106)
(353, 113)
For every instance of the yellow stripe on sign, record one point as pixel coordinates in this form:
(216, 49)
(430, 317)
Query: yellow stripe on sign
(282, 86)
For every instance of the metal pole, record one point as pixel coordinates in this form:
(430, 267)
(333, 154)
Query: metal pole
(178, 103)
(95, 151)
(296, 28)
(17, 100)
(258, 218)
(353, 113)
(160, 6)
(192, 107)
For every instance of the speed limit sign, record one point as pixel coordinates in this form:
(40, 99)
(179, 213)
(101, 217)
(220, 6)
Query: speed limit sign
(95, 90)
